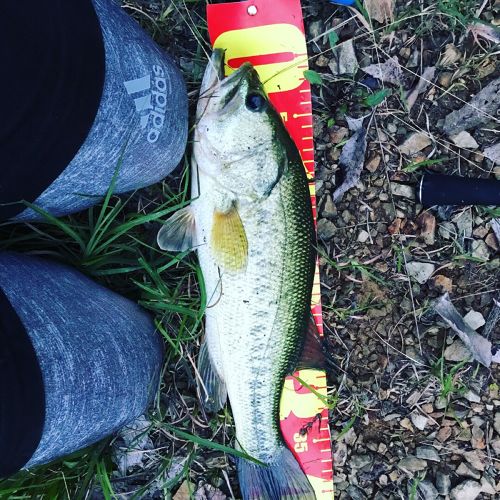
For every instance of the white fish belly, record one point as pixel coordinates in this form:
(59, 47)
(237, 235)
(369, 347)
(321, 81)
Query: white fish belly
(244, 339)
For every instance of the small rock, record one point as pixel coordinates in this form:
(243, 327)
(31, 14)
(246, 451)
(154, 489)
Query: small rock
(338, 134)
(403, 190)
(476, 459)
(360, 461)
(443, 434)
(466, 470)
(185, 491)
(428, 453)
(208, 492)
(457, 352)
(420, 271)
(463, 220)
(443, 483)
(472, 397)
(322, 61)
(415, 143)
(326, 229)
(493, 153)
(468, 490)
(344, 60)
(440, 403)
(427, 490)
(363, 236)
(418, 420)
(355, 493)
(329, 209)
(480, 232)
(442, 283)
(406, 424)
(464, 140)
(480, 250)
(340, 454)
(488, 485)
(383, 480)
(373, 163)
(412, 464)
(474, 319)
(496, 422)
(447, 230)
(427, 223)
(491, 241)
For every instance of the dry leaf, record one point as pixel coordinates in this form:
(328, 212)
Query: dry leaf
(380, 10)
(424, 81)
(352, 157)
(479, 347)
(389, 71)
(450, 56)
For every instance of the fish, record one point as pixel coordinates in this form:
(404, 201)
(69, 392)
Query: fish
(250, 221)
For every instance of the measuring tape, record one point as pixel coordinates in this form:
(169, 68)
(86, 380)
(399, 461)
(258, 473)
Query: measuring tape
(270, 34)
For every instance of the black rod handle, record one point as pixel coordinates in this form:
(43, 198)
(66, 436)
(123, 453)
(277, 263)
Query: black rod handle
(438, 189)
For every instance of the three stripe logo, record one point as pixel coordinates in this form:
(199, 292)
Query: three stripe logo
(143, 104)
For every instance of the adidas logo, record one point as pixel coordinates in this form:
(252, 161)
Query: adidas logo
(150, 100)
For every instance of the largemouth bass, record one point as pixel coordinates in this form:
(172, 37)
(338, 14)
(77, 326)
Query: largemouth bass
(251, 223)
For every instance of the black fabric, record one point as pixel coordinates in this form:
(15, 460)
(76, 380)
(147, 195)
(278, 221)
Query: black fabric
(22, 394)
(52, 56)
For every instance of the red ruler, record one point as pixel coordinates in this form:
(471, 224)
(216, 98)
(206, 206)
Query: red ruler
(270, 34)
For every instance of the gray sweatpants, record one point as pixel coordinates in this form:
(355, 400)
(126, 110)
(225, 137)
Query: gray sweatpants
(99, 354)
(140, 126)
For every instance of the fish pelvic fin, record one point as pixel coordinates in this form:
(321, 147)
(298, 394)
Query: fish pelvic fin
(281, 479)
(228, 240)
(212, 389)
(178, 231)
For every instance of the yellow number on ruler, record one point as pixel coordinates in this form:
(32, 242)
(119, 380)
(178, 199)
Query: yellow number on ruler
(284, 38)
(300, 442)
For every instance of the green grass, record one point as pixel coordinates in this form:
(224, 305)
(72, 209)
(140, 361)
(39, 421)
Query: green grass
(449, 379)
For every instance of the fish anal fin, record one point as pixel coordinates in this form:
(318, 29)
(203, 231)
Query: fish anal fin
(212, 389)
(228, 240)
(312, 355)
(178, 231)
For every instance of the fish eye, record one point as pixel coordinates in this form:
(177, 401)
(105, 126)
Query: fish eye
(255, 102)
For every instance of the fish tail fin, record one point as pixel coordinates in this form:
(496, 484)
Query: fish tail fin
(282, 478)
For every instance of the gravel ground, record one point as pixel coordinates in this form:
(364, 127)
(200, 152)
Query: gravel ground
(412, 416)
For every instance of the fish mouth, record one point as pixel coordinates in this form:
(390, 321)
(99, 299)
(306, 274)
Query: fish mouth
(214, 72)
(216, 91)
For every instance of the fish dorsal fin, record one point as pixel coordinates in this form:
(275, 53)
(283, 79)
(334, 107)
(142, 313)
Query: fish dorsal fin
(178, 231)
(312, 355)
(228, 240)
(212, 389)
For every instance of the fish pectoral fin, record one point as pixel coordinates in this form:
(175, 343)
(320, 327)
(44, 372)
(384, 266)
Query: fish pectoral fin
(312, 356)
(178, 231)
(212, 389)
(228, 240)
